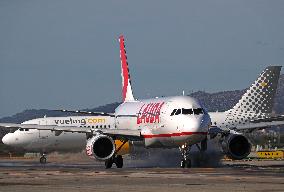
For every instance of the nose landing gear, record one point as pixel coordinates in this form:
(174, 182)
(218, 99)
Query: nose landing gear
(43, 159)
(185, 162)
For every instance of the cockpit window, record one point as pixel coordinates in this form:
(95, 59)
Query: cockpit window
(178, 112)
(187, 111)
(198, 111)
(22, 129)
(174, 111)
(184, 111)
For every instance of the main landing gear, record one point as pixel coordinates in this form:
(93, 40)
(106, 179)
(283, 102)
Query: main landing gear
(185, 162)
(115, 159)
(43, 159)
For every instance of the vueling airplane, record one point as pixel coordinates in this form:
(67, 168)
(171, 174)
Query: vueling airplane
(252, 112)
(45, 141)
(147, 119)
(150, 121)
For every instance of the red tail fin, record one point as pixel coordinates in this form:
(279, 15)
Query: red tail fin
(127, 94)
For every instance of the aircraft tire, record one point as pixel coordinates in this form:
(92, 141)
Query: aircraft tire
(188, 163)
(185, 163)
(119, 161)
(108, 163)
(42, 160)
(182, 163)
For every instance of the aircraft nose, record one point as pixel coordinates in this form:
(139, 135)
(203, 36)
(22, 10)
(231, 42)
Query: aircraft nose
(6, 139)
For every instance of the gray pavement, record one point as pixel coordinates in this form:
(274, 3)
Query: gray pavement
(29, 175)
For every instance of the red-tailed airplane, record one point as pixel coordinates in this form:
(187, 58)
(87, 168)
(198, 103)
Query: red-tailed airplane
(166, 122)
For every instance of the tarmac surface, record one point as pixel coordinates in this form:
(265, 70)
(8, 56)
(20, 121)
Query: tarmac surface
(29, 175)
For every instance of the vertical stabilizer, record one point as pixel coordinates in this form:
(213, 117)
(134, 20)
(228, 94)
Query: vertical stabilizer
(127, 94)
(259, 98)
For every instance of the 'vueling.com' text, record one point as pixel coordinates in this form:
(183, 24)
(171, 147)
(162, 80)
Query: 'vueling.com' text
(79, 121)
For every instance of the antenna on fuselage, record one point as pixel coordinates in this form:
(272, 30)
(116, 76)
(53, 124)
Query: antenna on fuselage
(182, 92)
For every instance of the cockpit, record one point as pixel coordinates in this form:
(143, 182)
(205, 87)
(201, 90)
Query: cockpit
(184, 111)
(22, 129)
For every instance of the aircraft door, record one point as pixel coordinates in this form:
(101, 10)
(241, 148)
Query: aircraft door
(166, 125)
(43, 134)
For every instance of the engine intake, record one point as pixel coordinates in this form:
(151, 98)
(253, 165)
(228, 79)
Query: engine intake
(236, 146)
(101, 147)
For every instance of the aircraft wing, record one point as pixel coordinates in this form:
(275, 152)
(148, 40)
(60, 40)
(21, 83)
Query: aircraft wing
(270, 119)
(120, 133)
(88, 112)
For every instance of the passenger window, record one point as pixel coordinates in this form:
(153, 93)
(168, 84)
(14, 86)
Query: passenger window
(108, 126)
(21, 129)
(26, 129)
(187, 111)
(198, 111)
(105, 126)
(174, 111)
(101, 126)
(178, 112)
(97, 126)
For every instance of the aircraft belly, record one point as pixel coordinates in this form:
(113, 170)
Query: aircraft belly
(71, 142)
(159, 142)
(65, 142)
(189, 139)
(173, 141)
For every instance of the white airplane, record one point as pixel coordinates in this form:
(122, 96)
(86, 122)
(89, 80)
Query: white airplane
(46, 141)
(253, 111)
(150, 121)
(259, 99)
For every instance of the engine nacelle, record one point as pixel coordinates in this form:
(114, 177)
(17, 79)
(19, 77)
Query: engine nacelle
(101, 147)
(236, 146)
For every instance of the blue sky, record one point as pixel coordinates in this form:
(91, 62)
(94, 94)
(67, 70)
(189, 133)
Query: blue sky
(65, 53)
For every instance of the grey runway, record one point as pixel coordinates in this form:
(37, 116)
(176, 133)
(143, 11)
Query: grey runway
(231, 176)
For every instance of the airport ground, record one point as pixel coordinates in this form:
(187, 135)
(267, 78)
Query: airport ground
(70, 174)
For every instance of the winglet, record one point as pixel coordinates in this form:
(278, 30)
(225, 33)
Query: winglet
(127, 94)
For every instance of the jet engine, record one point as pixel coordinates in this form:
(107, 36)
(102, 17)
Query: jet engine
(101, 147)
(236, 146)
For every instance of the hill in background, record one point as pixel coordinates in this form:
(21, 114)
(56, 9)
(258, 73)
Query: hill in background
(220, 101)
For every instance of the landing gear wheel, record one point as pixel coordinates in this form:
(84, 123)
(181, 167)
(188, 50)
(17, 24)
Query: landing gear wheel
(182, 163)
(119, 161)
(42, 160)
(108, 163)
(203, 145)
(185, 163)
(188, 163)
